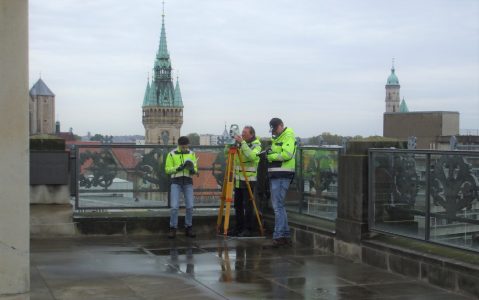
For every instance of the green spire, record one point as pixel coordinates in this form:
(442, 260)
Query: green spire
(178, 98)
(147, 92)
(161, 91)
(403, 106)
(152, 95)
(162, 56)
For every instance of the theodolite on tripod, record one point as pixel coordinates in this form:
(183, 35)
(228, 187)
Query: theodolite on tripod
(228, 186)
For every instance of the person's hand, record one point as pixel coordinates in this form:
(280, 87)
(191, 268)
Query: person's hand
(238, 139)
(180, 168)
(189, 166)
(270, 156)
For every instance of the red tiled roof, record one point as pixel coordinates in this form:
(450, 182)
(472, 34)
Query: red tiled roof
(126, 157)
(205, 180)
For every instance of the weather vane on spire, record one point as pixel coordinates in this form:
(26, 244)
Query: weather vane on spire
(163, 3)
(393, 62)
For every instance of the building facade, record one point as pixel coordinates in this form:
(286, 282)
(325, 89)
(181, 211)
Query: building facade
(41, 109)
(162, 103)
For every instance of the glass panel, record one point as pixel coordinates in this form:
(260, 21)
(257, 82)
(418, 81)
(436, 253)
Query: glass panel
(319, 169)
(208, 182)
(122, 177)
(454, 200)
(119, 177)
(293, 196)
(398, 193)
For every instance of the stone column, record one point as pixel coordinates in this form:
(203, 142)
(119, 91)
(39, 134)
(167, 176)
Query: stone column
(352, 220)
(14, 173)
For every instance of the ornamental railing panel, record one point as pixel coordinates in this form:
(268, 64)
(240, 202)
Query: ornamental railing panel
(428, 195)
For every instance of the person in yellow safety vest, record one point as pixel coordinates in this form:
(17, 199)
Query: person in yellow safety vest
(281, 168)
(181, 164)
(249, 147)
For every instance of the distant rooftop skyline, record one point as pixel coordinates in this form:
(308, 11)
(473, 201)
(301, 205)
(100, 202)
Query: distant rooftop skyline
(308, 62)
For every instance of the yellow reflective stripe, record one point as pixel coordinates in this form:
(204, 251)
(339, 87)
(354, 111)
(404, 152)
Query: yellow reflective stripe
(247, 169)
(250, 178)
(180, 175)
(280, 170)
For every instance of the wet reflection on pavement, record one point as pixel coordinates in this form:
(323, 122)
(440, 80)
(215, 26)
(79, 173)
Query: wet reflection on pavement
(207, 268)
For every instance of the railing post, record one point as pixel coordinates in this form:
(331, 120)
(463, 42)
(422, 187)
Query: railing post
(371, 189)
(300, 181)
(427, 220)
(77, 176)
(353, 206)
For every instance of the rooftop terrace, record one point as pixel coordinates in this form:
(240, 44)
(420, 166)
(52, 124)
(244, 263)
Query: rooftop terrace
(207, 268)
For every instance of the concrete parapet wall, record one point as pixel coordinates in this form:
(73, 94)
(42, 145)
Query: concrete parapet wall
(49, 194)
(451, 274)
(51, 220)
(203, 223)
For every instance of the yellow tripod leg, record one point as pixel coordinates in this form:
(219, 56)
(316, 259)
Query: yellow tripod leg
(229, 188)
(251, 195)
(222, 202)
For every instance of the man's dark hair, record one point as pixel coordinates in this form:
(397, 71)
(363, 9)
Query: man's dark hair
(251, 130)
(183, 140)
(275, 122)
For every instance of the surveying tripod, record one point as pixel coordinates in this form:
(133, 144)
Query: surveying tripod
(227, 192)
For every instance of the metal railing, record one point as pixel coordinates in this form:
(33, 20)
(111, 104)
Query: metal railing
(314, 190)
(427, 195)
(116, 176)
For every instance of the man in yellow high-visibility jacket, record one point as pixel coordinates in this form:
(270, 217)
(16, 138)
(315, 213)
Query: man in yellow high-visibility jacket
(181, 164)
(249, 147)
(281, 168)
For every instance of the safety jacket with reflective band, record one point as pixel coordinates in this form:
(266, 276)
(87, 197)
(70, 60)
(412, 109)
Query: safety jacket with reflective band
(249, 155)
(281, 159)
(176, 158)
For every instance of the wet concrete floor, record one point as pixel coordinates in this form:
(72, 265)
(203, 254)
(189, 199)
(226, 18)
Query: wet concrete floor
(207, 268)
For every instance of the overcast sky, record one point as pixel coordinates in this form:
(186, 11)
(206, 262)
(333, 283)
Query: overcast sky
(320, 65)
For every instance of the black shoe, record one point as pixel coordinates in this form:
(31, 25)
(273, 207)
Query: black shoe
(189, 232)
(245, 233)
(172, 233)
(287, 241)
(232, 232)
(278, 242)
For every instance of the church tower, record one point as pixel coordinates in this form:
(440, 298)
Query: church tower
(392, 92)
(162, 103)
(42, 109)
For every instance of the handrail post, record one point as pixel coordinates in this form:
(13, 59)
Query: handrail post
(427, 220)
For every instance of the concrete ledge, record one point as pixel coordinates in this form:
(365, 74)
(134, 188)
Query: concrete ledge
(350, 251)
(307, 230)
(452, 269)
(141, 223)
(51, 220)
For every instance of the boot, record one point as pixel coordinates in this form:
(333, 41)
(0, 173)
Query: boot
(288, 241)
(189, 232)
(277, 243)
(172, 233)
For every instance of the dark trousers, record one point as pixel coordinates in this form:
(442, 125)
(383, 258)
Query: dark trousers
(244, 208)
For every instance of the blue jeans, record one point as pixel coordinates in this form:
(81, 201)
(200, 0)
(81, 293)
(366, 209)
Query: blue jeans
(187, 190)
(278, 188)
